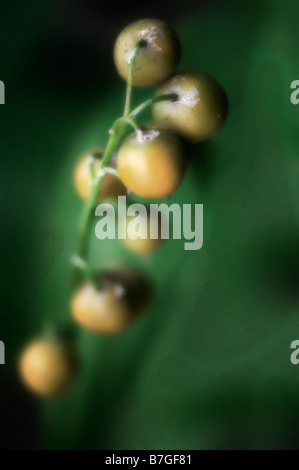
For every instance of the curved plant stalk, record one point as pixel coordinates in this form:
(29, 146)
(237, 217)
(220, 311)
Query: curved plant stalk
(131, 65)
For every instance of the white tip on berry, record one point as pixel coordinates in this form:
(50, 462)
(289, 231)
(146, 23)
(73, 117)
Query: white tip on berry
(146, 136)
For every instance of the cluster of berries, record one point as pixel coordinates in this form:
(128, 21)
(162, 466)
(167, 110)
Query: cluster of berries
(148, 162)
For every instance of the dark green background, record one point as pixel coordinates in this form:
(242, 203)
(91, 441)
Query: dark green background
(209, 367)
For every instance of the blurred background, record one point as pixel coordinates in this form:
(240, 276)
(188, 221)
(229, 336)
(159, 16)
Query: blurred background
(209, 366)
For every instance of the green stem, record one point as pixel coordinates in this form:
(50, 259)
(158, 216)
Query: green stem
(82, 265)
(110, 171)
(118, 132)
(130, 76)
(120, 129)
(169, 97)
(91, 168)
(132, 123)
(86, 218)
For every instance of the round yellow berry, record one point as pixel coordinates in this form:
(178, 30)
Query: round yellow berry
(154, 62)
(47, 366)
(111, 184)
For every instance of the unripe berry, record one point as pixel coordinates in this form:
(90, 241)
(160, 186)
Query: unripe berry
(151, 163)
(199, 110)
(122, 295)
(156, 61)
(111, 185)
(48, 366)
(142, 245)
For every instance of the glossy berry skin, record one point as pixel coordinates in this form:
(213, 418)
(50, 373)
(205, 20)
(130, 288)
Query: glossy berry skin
(111, 309)
(111, 185)
(48, 366)
(143, 245)
(156, 61)
(151, 163)
(200, 109)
